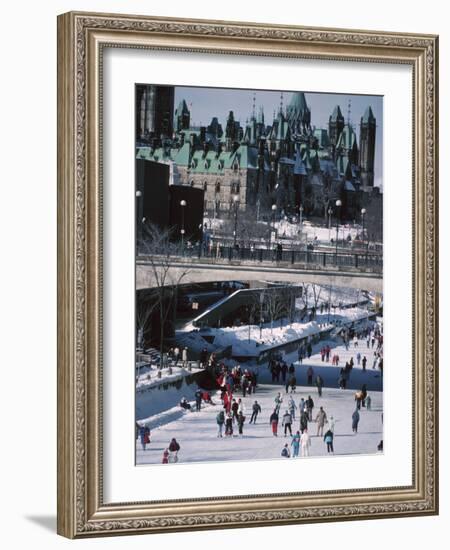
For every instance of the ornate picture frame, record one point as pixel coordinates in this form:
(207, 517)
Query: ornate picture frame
(82, 37)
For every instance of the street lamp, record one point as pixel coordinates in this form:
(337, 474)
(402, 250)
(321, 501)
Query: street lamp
(330, 211)
(338, 206)
(236, 206)
(301, 217)
(363, 212)
(183, 204)
(274, 208)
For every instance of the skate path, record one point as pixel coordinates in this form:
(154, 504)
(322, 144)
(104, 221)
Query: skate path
(196, 432)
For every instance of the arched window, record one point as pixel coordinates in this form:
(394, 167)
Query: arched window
(217, 187)
(205, 186)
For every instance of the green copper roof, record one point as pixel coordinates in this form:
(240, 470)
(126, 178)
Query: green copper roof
(298, 102)
(347, 138)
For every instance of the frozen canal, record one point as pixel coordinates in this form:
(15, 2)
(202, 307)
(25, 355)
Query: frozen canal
(197, 432)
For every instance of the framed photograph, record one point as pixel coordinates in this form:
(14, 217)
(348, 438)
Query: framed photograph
(247, 284)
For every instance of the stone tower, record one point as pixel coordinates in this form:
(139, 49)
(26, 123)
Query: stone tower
(182, 117)
(367, 148)
(336, 124)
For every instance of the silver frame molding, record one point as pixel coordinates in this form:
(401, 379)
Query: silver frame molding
(81, 39)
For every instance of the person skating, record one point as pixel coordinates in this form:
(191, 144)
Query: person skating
(185, 405)
(301, 406)
(295, 444)
(358, 399)
(174, 447)
(285, 451)
(198, 400)
(293, 383)
(240, 422)
(305, 443)
(310, 374)
(220, 419)
(332, 423)
(229, 425)
(355, 421)
(309, 407)
(273, 420)
(358, 358)
(364, 362)
(304, 418)
(256, 409)
(321, 419)
(368, 402)
(287, 423)
(328, 438)
(165, 458)
(319, 384)
(278, 400)
(234, 409)
(292, 407)
(144, 433)
(184, 357)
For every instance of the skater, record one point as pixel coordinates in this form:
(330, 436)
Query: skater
(278, 401)
(293, 384)
(185, 405)
(295, 444)
(220, 419)
(184, 357)
(368, 402)
(256, 409)
(174, 447)
(198, 400)
(328, 438)
(309, 350)
(274, 422)
(176, 354)
(165, 459)
(304, 421)
(285, 451)
(144, 433)
(305, 443)
(229, 425)
(332, 423)
(287, 423)
(358, 358)
(292, 407)
(301, 406)
(355, 421)
(319, 384)
(234, 409)
(358, 399)
(321, 419)
(310, 373)
(240, 422)
(309, 407)
(241, 408)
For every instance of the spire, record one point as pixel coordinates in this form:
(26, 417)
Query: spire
(336, 114)
(281, 103)
(349, 112)
(254, 106)
(368, 116)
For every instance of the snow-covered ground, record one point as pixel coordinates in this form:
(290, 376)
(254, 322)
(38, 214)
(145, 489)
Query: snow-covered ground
(197, 432)
(248, 342)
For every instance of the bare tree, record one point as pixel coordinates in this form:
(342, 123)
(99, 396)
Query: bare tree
(160, 252)
(144, 311)
(275, 301)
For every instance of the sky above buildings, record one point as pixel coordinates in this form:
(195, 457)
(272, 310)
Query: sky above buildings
(205, 103)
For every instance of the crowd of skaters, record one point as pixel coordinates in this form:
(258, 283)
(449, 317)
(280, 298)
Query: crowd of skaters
(233, 381)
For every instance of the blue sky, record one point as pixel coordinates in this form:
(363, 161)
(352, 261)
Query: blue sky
(204, 103)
